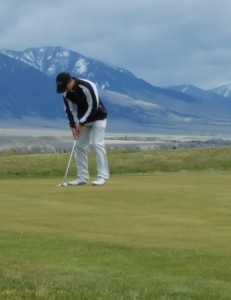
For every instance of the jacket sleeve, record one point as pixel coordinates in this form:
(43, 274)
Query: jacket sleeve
(71, 112)
(92, 98)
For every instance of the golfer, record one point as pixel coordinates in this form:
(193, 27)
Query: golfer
(87, 118)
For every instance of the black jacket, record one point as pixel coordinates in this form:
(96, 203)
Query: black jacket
(83, 105)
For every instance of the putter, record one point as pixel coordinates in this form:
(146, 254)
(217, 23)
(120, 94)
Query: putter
(64, 183)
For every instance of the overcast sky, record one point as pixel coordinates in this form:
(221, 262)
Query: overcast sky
(165, 42)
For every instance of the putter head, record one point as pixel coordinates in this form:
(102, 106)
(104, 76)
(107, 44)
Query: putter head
(62, 184)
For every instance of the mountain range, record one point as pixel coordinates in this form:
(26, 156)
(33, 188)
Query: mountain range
(28, 95)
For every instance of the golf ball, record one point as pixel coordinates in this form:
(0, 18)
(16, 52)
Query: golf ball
(65, 184)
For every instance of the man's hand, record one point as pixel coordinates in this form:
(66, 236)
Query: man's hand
(76, 131)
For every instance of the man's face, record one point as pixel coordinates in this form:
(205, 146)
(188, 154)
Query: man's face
(69, 86)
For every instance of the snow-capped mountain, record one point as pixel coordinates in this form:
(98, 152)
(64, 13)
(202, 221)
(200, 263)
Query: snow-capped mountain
(199, 94)
(28, 89)
(224, 90)
(52, 60)
(28, 93)
(25, 91)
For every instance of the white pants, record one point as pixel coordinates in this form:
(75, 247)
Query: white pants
(94, 131)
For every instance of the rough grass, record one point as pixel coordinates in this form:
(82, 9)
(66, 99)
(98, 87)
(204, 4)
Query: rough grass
(158, 236)
(121, 162)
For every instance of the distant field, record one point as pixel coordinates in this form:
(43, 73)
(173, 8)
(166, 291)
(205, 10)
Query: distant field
(159, 229)
(48, 140)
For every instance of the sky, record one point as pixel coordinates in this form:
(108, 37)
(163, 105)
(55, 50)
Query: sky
(164, 42)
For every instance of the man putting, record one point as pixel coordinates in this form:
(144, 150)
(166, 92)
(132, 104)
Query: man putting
(87, 118)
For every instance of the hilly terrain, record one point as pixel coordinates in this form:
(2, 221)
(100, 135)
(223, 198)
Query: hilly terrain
(28, 95)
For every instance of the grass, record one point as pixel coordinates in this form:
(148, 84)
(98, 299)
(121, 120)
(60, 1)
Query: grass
(121, 162)
(150, 235)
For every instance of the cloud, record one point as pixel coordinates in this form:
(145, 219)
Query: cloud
(164, 42)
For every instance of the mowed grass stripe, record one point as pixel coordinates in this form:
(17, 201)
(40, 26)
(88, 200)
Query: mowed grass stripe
(166, 200)
(152, 236)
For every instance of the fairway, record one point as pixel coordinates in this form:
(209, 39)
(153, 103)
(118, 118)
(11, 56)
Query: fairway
(152, 236)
